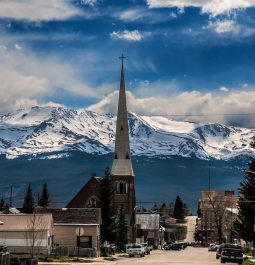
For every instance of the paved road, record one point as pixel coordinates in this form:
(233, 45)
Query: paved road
(189, 256)
(191, 223)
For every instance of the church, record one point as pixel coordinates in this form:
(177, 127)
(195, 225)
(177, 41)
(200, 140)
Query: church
(122, 174)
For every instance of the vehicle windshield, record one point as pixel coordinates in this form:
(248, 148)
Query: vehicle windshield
(135, 246)
(232, 246)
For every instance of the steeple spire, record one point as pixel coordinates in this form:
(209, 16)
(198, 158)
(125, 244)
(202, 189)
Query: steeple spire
(122, 164)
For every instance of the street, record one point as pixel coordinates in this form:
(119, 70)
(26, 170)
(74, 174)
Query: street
(189, 256)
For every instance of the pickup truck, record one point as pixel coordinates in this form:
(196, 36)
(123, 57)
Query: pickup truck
(231, 253)
(136, 249)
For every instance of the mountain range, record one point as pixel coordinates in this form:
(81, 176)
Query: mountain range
(63, 147)
(40, 130)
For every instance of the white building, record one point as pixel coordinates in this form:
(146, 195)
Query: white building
(24, 233)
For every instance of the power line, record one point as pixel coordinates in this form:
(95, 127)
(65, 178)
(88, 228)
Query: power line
(177, 115)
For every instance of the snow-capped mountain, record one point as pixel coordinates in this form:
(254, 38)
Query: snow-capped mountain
(45, 130)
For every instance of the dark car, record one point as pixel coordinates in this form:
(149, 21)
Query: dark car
(218, 252)
(231, 253)
(176, 246)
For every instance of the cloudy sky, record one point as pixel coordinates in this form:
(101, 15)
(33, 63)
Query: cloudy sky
(184, 57)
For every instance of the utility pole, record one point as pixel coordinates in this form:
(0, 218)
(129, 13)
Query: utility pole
(209, 176)
(10, 197)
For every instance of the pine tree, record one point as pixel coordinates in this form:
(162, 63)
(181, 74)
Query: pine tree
(179, 212)
(122, 231)
(44, 200)
(246, 216)
(108, 227)
(2, 202)
(28, 204)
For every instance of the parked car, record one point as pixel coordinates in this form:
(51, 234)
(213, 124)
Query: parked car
(176, 246)
(231, 253)
(167, 245)
(213, 247)
(218, 252)
(146, 247)
(136, 250)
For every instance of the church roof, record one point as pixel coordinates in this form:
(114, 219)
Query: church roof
(122, 163)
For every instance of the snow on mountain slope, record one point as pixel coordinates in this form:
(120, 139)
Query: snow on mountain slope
(41, 130)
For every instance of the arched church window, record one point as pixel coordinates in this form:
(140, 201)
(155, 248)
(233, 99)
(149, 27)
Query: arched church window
(92, 202)
(121, 128)
(115, 156)
(127, 156)
(121, 188)
(125, 188)
(117, 187)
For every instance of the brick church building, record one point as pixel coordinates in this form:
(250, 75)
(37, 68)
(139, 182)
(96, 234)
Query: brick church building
(122, 175)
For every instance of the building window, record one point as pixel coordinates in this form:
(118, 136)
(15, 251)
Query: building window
(84, 241)
(121, 187)
(117, 187)
(92, 202)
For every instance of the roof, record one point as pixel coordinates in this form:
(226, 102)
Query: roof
(122, 163)
(122, 167)
(75, 216)
(232, 210)
(24, 222)
(11, 210)
(78, 201)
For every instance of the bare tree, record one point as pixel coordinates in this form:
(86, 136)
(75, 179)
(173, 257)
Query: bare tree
(35, 232)
(214, 207)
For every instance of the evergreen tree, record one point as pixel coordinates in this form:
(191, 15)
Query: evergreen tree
(44, 200)
(122, 231)
(179, 211)
(28, 204)
(246, 216)
(2, 202)
(108, 227)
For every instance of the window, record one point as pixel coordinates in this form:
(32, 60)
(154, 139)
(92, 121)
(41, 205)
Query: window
(92, 202)
(84, 241)
(117, 187)
(121, 187)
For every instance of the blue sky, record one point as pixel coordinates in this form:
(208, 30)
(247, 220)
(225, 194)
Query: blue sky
(184, 56)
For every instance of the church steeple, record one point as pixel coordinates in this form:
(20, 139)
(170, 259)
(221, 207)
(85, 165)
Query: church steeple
(122, 164)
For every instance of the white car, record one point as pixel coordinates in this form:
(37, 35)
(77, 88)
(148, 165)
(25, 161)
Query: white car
(136, 250)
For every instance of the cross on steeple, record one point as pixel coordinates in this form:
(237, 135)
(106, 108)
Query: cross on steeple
(122, 57)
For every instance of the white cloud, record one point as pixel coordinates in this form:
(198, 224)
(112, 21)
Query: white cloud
(17, 46)
(134, 35)
(188, 104)
(213, 7)
(132, 14)
(89, 2)
(34, 10)
(26, 78)
(224, 89)
(224, 26)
